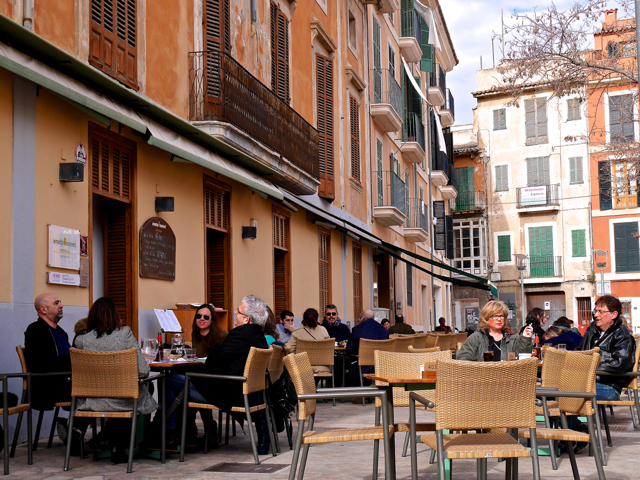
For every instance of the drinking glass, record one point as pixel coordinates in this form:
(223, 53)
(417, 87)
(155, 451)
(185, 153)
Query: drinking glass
(177, 347)
(562, 346)
(149, 349)
(488, 356)
(190, 353)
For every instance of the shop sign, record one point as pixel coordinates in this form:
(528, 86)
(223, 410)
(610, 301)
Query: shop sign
(63, 278)
(534, 196)
(81, 154)
(64, 247)
(157, 250)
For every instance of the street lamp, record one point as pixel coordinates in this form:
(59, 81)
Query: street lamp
(601, 265)
(521, 265)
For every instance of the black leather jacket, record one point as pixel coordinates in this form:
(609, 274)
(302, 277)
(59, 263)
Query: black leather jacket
(617, 352)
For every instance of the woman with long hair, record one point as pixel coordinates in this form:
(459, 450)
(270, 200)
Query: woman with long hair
(205, 334)
(270, 328)
(309, 330)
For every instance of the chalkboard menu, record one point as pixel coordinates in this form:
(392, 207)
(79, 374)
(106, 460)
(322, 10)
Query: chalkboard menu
(157, 250)
(472, 316)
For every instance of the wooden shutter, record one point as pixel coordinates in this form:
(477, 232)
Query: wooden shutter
(355, 138)
(217, 268)
(538, 171)
(448, 234)
(279, 53)
(575, 170)
(541, 120)
(280, 230)
(626, 247)
(377, 63)
(426, 62)
(324, 81)
(604, 185)
(615, 127)
(504, 248)
(117, 258)
(379, 173)
(215, 27)
(356, 254)
(536, 121)
(112, 157)
(392, 60)
(281, 281)
(499, 119)
(502, 180)
(113, 39)
(409, 285)
(324, 259)
(573, 109)
(578, 245)
(530, 121)
(216, 204)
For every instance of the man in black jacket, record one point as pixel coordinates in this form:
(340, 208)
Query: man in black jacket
(335, 328)
(47, 350)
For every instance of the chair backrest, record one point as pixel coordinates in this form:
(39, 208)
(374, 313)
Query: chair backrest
(578, 375)
(423, 350)
(301, 373)
(552, 367)
(420, 340)
(367, 347)
(320, 352)
(633, 384)
(276, 364)
(431, 341)
(445, 342)
(256, 369)
(403, 344)
(397, 364)
(23, 363)
(104, 374)
(473, 395)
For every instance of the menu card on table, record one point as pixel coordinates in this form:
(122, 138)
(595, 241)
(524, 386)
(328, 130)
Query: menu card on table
(168, 321)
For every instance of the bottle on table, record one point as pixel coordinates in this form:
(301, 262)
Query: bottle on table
(537, 351)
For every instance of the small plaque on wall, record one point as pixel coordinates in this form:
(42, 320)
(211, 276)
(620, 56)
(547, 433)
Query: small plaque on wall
(157, 250)
(63, 278)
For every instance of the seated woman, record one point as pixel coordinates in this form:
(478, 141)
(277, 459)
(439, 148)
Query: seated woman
(560, 332)
(205, 335)
(310, 330)
(493, 335)
(106, 333)
(270, 329)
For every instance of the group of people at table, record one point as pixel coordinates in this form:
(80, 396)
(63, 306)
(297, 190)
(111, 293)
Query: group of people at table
(255, 325)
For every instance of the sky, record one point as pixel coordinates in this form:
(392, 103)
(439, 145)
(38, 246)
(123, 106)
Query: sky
(471, 24)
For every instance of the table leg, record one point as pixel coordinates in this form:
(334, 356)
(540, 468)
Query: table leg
(391, 461)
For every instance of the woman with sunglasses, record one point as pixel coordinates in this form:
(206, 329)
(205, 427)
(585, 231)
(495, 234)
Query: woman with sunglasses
(205, 335)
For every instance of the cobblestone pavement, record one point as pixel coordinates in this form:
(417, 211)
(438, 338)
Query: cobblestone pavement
(352, 460)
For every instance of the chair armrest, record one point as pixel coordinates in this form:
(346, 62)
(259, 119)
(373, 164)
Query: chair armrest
(50, 374)
(345, 394)
(14, 375)
(558, 393)
(422, 400)
(350, 389)
(216, 376)
(550, 389)
(150, 378)
(623, 374)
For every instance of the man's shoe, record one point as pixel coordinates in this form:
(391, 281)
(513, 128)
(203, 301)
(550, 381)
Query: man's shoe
(580, 447)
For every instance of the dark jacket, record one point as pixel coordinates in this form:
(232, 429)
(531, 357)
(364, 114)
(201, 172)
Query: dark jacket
(41, 354)
(229, 359)
(572, 340)
(401, 328)
(368, 329)
(340, 332)
(537, 330)
(474, 347)
(617, 352)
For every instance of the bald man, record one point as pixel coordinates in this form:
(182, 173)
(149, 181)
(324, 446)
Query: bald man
(46, 351)
(369, 329)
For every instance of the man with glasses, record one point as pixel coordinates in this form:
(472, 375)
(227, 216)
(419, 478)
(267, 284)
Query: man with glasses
(335, 328)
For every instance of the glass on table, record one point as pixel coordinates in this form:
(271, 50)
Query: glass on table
(190, 354)
(562, 346)
(166, 354)
(488, 356)
(177, 347)
(149, 349)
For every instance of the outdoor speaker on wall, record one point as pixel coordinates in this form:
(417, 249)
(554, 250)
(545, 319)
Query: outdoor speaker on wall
(250, 232)
(71, 172)
(165, 204)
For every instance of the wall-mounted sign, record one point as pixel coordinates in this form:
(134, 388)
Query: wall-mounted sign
(81, 154)
(63, 278)
(84, 272)
(157, 250)
(64, 247)
(533, 196)
(84, 245)
(547, 305)
(472, 315)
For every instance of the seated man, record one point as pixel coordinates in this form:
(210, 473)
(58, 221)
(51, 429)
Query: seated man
(368, 329)
(443, 326)
(335, 328)
(400, 327)
(286, 326)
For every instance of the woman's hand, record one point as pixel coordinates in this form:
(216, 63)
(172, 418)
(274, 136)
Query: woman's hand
(528, 331)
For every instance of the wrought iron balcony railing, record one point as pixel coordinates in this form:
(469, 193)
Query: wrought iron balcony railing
(410, 22)
(468, 202)
(449, 103)
(391, 191)
(540, 196)
(418, 215)
(221, 89)
(386, 89)
(543, 266)
(438, 78)
(414, 129)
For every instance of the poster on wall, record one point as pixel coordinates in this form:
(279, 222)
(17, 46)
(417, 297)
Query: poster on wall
(64, 247)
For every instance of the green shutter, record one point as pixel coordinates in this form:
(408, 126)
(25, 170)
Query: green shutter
(499, 119)
(541, 259)
(504, 248)
(626, 247)
(426, 62)
(575, 170)
(502, 181)
(578, 244)
(377, 63)
(379, 173)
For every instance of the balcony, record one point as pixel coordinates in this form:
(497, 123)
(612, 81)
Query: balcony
(234, 107)
(387, 100)
(392, 199)
(437, 86)
(413, 145)
(448, 192)
(439, 168)
(540, 266)
(417, 226)
(447, 112)
(410, 40)
(386, 6)
(624, 200)
(540, 198)
(468, 202)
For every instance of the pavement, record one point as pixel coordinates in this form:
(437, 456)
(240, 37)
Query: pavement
(349, 460)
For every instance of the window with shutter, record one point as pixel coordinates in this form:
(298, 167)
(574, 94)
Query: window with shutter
(536, 121)
(112, 158)
(502, 178)
(409, 285)
(541, 261)
(356, 255)
(448, 223)
(575, 170)
(215, 27)
(324, 259)
(112, 39)
(613, 50)
(578, 244)
(500, 119)
(379, 173)
(377, 64)
(279, 53)
(281, 262)
(392, 60)
(504, 248)
(538, 171)
(355, 137)
(426, 62)
(626, 247)
(216, 204)
(218, 281)
(118, 258)
(624, 183)
(621, 119)
(604, 185)
(324, 88)
(573, 109)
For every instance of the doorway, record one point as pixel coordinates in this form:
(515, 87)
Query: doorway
(556, 308)
(218, 268)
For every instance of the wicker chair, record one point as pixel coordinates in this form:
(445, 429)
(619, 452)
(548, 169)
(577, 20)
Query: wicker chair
(446, 341)
(366, 350)
(275, 369)
(403, 344)
(321, 354)
(420, 340)
(18, 409)
(461, 396)
(255, 371)
(56, 406)
(423, 350)
(431, 341)
(300, 370)
(108, 375)
(576, 395)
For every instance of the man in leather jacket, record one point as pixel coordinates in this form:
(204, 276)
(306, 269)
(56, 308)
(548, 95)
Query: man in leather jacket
(617, 346)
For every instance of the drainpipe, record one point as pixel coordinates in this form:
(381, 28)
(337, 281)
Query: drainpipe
(27, 14)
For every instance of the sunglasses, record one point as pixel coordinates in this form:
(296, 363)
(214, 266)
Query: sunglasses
(199, 316)
(334, 314)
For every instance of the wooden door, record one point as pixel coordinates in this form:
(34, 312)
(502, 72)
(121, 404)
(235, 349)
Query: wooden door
(218, 269)
(117, 257)
(557, 304)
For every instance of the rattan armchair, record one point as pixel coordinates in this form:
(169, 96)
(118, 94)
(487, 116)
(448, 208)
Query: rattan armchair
(366, 350)
(431, 341)
(56, 406)
(463, 389)
(18, 409)
(275, 370)
(109, 375)
(403, 344)
(299, 368)
(420, 340)
(424, 350)
(253, 381)
(321, 354)
(576, 395)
